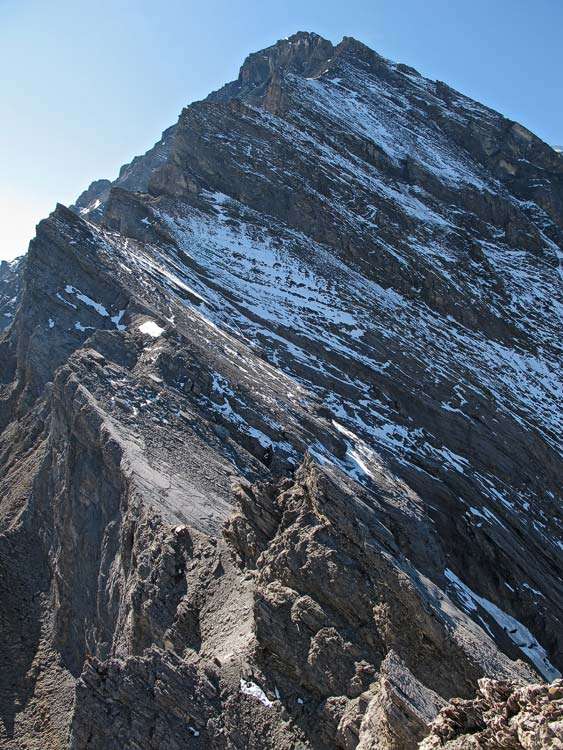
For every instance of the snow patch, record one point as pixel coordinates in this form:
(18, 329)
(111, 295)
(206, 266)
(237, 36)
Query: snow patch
(151, 329)
(116, 320)
(79, 327)
(99, 308)
(254, 691)
(518, 633)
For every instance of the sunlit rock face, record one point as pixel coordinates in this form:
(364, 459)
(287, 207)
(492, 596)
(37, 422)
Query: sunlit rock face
(281, 425)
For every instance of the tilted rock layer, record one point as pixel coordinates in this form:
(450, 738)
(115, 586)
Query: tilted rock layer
(280, 428)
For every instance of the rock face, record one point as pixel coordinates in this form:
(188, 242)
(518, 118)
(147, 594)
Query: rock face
(280, 428)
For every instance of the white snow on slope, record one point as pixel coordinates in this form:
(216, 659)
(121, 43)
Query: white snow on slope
(89, 302)
(257, 287)
(363, 104)
(518, 633)
(151, 329)
(247, 687)
(99, 308)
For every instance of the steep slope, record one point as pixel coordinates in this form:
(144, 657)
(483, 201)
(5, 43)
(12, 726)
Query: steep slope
(281, 434)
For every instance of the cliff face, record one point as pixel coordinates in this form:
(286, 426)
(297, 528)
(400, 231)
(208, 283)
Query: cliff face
(281, 424)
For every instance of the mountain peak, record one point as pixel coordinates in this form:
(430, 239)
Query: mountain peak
(300, 53)
(303, 53)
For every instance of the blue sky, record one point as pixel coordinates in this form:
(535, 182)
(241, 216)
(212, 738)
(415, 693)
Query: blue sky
(87, 85)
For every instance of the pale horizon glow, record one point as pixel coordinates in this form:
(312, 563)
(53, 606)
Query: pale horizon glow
(89, 86)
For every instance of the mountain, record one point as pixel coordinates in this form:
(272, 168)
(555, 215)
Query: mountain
(281, 425)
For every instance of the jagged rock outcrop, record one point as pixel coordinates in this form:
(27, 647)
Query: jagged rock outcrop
(280, 428)
(502, 715)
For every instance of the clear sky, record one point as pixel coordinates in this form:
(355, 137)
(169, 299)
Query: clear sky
(87, 85)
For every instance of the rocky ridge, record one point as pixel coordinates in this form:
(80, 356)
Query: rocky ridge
(280, 424)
